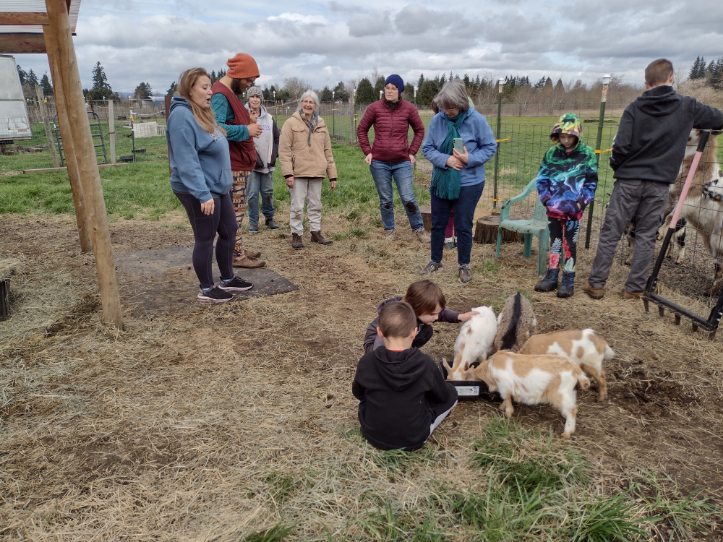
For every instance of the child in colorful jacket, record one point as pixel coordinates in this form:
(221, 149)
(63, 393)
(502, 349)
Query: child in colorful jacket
(566, 184)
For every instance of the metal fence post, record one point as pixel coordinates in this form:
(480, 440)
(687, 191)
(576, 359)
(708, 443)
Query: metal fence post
(500, 85)
(598, 151)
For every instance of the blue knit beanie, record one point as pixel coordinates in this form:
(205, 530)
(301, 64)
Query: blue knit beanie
(395, 80)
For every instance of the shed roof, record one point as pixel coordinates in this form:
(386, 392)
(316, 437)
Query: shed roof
(21, 24)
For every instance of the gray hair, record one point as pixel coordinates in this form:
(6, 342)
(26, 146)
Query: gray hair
(310, 94)
(254, 91)
(453, 94)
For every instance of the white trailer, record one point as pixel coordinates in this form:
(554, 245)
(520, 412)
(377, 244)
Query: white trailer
(14, 123)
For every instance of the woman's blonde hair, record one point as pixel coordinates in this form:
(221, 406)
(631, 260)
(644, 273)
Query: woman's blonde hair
(204, 117)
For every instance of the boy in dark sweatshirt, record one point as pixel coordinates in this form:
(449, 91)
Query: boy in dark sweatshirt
(646, 157)
(402, 394)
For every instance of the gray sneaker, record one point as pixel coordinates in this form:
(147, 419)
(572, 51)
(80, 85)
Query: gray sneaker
(431, 267)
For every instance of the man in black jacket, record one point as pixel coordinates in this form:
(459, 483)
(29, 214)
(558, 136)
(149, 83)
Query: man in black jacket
(402, 394)
(646, 157)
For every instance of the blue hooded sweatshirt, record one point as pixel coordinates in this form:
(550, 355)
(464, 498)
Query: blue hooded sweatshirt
(200, 162)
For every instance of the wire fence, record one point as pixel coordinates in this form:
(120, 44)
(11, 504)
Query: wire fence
(522, 142)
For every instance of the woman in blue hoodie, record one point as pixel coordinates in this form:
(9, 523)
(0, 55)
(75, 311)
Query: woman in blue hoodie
(201, 180)
(458, 176)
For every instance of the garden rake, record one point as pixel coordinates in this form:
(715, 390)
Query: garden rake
(711, 323)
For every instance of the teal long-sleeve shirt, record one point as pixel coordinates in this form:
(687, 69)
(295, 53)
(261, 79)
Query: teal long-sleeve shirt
(224, 113)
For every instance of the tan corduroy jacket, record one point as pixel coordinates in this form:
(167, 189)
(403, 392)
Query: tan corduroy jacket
(301, 159)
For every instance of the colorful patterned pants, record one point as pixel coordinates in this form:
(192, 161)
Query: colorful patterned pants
(238, 198)
(563, 237)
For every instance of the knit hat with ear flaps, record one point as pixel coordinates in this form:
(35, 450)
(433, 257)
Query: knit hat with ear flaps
(569, 123)
(395, 80)
(242, 66)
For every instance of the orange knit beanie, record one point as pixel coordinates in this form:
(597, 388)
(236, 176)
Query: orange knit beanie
(242, 66)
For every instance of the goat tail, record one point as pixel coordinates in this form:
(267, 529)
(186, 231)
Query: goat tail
(510, 336)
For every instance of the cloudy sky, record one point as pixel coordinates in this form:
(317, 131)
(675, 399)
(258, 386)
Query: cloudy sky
(324, 42)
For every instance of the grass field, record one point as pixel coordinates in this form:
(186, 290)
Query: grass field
(142, 435)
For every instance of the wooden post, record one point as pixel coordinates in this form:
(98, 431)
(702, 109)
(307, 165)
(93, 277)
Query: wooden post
(111, 130)
(46, 123)
(81, 212)
(87, 164)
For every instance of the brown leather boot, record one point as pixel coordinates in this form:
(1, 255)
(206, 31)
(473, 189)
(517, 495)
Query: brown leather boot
(296, 241)
(248, 263)
(316, 237)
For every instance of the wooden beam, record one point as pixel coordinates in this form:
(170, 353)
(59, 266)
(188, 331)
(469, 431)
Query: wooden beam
(22, 42)
(87, 164)
(81, 213)
(22, 18)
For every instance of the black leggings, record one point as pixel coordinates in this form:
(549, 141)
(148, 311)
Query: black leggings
(223, 221)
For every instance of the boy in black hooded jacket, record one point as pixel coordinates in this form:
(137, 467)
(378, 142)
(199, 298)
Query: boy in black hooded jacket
(646, 157)
(402, 394)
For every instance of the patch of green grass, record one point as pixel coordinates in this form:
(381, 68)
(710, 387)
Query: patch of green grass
(392, 523)
(604, 520)
(674, 516)
(277, 533)
(526, 459)
(399, 461)
(281, 486)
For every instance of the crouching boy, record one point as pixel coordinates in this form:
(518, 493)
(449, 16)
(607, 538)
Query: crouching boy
(402, 394)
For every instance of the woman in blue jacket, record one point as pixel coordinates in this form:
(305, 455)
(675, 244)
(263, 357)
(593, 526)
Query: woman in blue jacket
(201, 180)
(458, 177)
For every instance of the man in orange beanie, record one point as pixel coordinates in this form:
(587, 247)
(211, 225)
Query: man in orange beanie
(233, 117)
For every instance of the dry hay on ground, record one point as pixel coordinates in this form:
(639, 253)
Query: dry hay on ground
(203, 422)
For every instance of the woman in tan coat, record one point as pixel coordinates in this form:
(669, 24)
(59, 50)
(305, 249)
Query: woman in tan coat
(306, 158)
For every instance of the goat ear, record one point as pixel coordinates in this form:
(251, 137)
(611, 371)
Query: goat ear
(446, 365)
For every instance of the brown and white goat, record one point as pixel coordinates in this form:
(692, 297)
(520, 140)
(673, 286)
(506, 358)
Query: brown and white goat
(583, 347)
(515, 323)
(533, 380)
(474, 342)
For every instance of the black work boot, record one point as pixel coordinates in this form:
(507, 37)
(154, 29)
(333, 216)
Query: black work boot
(296, 241)
(548, 282)
(316, 237)
(567, 285)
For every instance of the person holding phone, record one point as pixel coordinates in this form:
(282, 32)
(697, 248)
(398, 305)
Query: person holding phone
(458, 176)
(391, 156)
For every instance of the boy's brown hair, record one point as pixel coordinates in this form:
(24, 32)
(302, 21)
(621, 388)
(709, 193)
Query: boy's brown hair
(658, 72)
(397, 320)
(424, 296)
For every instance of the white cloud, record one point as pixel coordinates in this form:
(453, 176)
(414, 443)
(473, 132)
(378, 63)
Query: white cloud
(326, 42)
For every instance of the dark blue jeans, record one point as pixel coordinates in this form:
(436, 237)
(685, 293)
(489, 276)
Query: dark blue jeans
(264, 183)
(463, 207)
(205, 227)
(401, 172)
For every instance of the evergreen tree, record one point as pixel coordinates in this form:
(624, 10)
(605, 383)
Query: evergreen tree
(325, 95)
(698, 69)
(365, 92)
(101, 89)
(172, 88)
(46, 86)
(22, 74)
(142, 91)
(409, 92)
(341, 93)
(32, 79)
(379, 86)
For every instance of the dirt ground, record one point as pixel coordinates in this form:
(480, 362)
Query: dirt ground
(166, 426)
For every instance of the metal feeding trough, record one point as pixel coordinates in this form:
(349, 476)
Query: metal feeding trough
(710, 324)
(472, 389)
